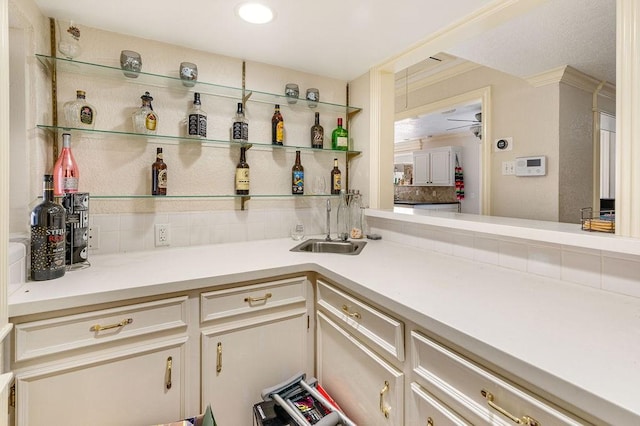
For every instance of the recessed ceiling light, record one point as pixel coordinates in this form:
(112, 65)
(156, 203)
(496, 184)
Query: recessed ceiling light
(255, 13)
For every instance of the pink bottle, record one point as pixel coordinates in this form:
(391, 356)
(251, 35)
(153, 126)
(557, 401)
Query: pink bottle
(65, 171)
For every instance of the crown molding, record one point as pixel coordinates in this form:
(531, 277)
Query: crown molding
(408, 146)
(574, 78)
(428, 80)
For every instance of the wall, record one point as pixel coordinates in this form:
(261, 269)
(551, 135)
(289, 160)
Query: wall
(119, 166)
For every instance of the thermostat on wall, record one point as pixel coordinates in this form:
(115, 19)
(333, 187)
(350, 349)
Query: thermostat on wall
(531, 166)
(503, 144)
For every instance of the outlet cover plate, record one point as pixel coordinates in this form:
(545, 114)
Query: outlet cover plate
(162, 234)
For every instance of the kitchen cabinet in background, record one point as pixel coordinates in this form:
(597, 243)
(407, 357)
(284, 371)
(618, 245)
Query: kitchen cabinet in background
(435, 167)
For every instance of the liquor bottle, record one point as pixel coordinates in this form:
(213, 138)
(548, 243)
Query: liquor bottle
(159, 175)
(297, 176)
(336, 178)
(145, 119)
(317, 134)
(48, 234)
(197, 119)
(340, 137)
(240, 127)
(277, 127)
(80, 113)
(65, 171)
(242, 173)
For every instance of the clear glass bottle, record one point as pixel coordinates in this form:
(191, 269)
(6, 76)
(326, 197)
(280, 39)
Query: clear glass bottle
(240, 127)
(197, 119)
(355, 216)
(277, 127)
(48, 234)
(145, 119)
(343, 217)
(297, 176)
(79, 113)
(340, 137)
(317, 134)
(65, 172)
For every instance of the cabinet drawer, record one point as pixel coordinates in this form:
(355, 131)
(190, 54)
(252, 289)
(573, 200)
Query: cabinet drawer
(477, 394)
(38, 338)
(376, 328)
(428, 410)
(236, 301)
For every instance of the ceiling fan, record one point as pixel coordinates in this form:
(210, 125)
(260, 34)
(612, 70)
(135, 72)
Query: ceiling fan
(475, 126)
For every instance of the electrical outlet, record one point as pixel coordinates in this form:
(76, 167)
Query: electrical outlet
(163, 234)
(94, 237)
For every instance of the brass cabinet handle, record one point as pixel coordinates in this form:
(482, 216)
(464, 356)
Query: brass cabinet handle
(384, 410)
(168, 373)
(355, 315)
(429, 421)
(525, 420)
(219, 358)
(122, 323)
(258, 299)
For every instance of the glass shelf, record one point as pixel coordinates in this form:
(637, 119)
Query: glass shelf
(175, 83)
(206, 196)
(167, 139)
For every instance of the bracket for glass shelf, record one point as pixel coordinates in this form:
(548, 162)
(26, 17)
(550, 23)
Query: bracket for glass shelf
(242, 201)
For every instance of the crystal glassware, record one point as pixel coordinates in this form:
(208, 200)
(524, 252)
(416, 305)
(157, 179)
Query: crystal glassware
(79, 113)
(313, 97)
(68, 39)
(292, 91)
(188, 74)
(131, 63)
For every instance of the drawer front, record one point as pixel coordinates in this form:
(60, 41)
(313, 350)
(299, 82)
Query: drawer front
(427, 410)
(219, 304)
(376, 328)
(39, 338)
(477, 394)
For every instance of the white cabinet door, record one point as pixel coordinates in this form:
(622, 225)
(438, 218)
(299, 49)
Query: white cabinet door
(142, 386)
(421, 174)
(244, 357)
(367, 388)
(441, 170)
(423, 409)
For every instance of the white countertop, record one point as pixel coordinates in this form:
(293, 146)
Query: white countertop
(578, 343)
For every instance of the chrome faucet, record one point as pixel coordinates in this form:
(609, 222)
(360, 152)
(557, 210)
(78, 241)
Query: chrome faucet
(328, 238)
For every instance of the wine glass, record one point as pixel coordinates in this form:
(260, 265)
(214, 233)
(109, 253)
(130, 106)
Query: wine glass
(319, 185)
(297, 231)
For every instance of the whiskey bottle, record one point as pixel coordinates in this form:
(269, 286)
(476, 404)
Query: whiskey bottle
(145, 119)
(79, 113)
(277, 127)
(197, 119)
(240, 127)
(65, 171)
(340, 137)
(242, 173)
(297, 176)
(317, 134)
(159, 175)
(48, 234)
(336, 178)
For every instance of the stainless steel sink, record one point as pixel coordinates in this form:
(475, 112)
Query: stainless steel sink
(323, 246)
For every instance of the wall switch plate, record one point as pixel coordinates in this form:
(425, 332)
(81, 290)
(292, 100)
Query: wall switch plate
(162, 234)
(508, 168)
(94, 237)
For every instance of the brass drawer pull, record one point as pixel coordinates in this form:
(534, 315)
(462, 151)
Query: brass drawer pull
(355, 315)
(525, 420)
(168, 373)
(122, 323)
(258, 299)
(219, 358)
(384, 410)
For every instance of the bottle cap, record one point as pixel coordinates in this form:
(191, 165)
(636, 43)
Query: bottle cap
(339, 121)
(196, 98)
(80, 93)
(146, 97)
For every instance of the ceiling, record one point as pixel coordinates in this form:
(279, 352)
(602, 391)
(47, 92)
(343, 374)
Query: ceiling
(580, 33)
(333, 38)
(452, 120)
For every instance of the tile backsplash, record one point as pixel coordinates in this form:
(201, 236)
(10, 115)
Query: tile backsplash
(127, 232)
(598, 269)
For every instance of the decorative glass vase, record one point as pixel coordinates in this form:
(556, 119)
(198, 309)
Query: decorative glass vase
(68, 39)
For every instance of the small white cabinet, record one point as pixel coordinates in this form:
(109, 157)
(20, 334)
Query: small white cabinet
(253, 337)
(435, 167)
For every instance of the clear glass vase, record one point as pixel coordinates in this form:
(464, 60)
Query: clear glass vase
(68, 39)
